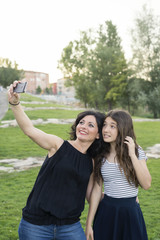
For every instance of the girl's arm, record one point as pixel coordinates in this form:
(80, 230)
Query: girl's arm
(44, 140)
(140, 166)
(94, 202)
(89, 188)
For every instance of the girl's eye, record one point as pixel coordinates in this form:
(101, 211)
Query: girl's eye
(81, 122)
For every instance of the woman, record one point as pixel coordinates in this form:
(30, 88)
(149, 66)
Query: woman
(57, 199)
(123, 168)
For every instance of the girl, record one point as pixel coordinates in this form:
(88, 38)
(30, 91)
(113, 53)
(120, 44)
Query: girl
(123, 169)
(57, 199)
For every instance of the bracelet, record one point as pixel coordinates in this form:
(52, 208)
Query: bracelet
(14, 104)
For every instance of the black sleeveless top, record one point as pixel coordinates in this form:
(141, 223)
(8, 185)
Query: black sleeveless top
(58, 195)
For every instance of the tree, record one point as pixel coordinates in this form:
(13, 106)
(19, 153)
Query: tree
(74, 63)
(145, 42)
(146, 59)
(38, 90)
(152, 90)
(9, 72)
(95, 65)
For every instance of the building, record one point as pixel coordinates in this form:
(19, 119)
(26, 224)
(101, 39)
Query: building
(63, 90)
(35, 80)
(54, 88)
(65, 94)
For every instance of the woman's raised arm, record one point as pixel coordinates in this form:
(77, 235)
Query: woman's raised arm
(44, 140)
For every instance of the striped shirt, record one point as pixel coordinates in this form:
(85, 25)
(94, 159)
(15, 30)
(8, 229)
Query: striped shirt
(115, 182)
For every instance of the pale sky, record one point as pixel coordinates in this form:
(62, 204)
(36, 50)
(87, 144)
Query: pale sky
(34, 32)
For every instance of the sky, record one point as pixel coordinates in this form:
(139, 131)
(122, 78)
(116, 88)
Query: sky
(34, 32)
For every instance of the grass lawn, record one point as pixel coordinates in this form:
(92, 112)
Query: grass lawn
(15, 187)
(30, 98)
(45, 114)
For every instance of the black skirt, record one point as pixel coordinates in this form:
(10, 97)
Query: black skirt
(119, 219)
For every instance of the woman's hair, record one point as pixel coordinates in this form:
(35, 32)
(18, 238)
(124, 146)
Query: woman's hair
(125, 128)
(96, 146)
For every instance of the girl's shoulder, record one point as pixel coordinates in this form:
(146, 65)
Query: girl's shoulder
(141, 153)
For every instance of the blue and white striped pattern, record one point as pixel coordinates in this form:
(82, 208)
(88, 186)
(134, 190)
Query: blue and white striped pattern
(115, 182)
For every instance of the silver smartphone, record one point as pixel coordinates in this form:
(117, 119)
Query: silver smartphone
(20, 87)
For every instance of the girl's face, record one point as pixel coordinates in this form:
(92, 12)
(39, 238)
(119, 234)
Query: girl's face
(87, 129)
(109, 130)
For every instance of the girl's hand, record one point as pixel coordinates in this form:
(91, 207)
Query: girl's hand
(137, 200)
(89, 233)
(13, 97)
(131, 146)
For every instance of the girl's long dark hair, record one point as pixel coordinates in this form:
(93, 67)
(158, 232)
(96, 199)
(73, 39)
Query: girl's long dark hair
(125, 128)
(96, 146)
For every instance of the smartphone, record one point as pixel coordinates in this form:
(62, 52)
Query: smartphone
(20, 88)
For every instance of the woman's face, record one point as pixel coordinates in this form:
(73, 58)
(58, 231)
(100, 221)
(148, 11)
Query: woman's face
(109, 130)
(87, 129)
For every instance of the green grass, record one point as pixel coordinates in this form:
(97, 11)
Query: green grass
(16, 145)
(14, 190)
(29, 98)
(147, 133)
(45, 114)
(15, 187)
(150, 201)
(44, 104)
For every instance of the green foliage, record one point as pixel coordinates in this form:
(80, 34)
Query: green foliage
(95, 65)
(152, 90)
(38, 90)
(48, 91)
(145, 62)
(9, 72)
(145, 41)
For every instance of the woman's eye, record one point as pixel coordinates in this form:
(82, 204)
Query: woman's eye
(91, 125)
(81, 122)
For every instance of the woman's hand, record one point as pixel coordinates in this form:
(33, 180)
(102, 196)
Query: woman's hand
(89, 233)
(131, 145)
(13, 97)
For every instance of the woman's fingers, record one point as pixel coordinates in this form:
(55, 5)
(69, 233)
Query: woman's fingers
(11, 94)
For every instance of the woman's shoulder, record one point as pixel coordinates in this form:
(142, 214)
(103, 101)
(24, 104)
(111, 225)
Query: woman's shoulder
(58, 142)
